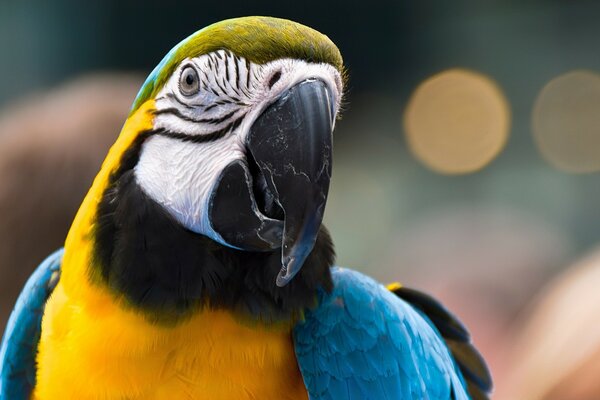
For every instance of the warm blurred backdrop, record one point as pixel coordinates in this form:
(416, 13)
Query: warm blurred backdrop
(467, 162)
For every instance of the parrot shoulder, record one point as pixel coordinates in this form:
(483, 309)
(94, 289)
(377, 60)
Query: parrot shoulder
(457, 338)
(364, 342)
(19, 344)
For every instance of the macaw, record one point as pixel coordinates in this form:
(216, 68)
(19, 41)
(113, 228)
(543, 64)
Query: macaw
(197, 266)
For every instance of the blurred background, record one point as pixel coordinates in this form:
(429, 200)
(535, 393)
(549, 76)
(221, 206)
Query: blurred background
(467, 162)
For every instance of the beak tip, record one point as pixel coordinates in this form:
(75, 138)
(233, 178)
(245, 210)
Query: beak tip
(289, 269)
(282, 280)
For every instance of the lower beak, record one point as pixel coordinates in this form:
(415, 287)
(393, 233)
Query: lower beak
(291, 143)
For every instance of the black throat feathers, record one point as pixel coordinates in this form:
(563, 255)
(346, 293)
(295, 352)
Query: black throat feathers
(146, 258)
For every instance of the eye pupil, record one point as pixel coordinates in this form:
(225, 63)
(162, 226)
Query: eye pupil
(189, 82)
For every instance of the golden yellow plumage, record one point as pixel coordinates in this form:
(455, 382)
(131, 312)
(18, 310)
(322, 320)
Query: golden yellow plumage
(95, 347)
(108, 353)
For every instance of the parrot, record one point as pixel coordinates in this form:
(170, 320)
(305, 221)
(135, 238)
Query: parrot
(198, 265)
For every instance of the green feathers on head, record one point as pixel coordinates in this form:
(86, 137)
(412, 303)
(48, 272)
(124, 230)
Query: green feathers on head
(258, 39)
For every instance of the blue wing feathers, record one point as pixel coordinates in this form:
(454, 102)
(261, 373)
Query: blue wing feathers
(19, 344)
(468, 359)
(363, 342)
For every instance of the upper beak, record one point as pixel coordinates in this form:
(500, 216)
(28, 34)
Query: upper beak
(291, 142)
(289, 149)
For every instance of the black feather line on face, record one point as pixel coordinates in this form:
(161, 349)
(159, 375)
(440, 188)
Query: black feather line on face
(174, 111)
(166, 272)
(204, 138)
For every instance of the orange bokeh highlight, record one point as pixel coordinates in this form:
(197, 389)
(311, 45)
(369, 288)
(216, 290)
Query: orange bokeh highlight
(457, 121)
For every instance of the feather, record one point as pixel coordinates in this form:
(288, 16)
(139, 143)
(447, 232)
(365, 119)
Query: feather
(470, 362)
(19, 344)
(363, 342)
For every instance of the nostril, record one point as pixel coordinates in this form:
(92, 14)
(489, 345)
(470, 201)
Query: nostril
(274, 78)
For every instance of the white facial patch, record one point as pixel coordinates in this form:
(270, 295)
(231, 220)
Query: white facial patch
(180, 176)
(198, 135)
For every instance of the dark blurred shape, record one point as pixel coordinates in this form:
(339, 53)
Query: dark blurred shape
(51, 146)
(557, 351)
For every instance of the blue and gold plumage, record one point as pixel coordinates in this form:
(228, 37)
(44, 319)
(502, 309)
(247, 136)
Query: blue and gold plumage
(21, 336)
(197, 266)
(361, 342)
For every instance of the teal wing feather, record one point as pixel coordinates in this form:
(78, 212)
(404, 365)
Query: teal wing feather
(364, 343)
(19, 343)
(457, 338)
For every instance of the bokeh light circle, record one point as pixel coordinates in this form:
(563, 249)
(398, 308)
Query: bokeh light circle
(457, 121)
(566, 122)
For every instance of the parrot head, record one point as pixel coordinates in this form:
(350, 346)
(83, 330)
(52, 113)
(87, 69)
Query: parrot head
(228, 170)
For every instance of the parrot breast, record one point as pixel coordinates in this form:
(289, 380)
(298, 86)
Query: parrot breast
(116, 354)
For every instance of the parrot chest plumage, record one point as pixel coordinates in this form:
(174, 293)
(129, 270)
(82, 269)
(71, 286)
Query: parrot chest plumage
(95, 350)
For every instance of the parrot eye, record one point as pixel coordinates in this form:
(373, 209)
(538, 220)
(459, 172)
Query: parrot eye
(189, 82)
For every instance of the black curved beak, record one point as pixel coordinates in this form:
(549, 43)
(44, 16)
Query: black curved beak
(291, 143)
(276, 198)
